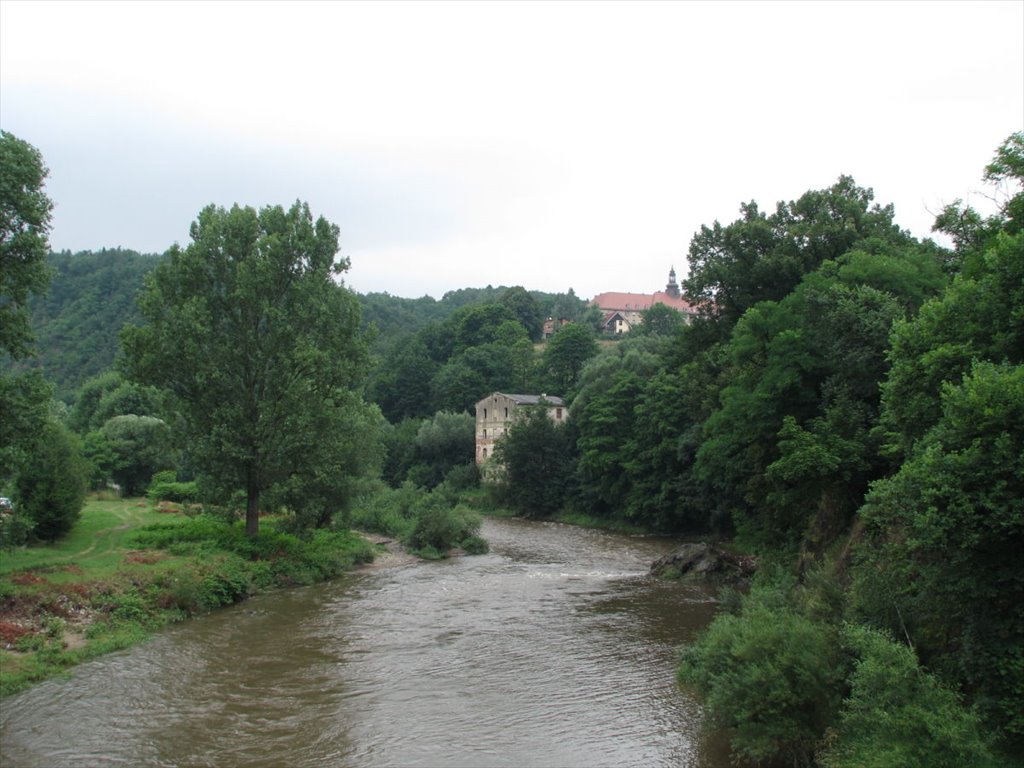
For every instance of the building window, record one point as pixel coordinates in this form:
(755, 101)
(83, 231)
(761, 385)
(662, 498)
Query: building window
(485, 453)
(485, 413)
(506, 413)
(558, 414)
(485, 432)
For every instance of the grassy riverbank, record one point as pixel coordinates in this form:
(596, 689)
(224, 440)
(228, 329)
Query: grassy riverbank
(127, 569)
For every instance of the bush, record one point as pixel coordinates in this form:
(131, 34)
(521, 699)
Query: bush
(140, 446)
(897, 714)
(474, 545)
(50, 486)
(769, 676)
(440, 526)
(15, 529)
(165, 487)
(387, 511)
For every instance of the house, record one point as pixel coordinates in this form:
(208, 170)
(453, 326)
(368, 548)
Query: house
(622, 311)
(496, 412)
(552, 324)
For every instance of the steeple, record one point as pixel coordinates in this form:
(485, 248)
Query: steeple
(672, 289)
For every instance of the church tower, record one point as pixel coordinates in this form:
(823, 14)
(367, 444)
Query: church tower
(672, 289)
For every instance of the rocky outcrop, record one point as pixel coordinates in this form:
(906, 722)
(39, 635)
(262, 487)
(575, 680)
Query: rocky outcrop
(703, 560)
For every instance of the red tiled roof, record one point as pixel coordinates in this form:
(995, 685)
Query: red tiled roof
(637, 302)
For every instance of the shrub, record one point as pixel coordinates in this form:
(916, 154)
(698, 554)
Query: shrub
(50, 486)
(165, 487)
(474, 545)
(769, 676)
(387, 511)
(898, 714)
(441, 526)
(15, 529)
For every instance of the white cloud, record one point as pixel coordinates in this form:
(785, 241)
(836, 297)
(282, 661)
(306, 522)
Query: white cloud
(543, 144)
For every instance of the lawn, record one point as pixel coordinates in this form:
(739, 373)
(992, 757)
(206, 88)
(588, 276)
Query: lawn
(96, 545)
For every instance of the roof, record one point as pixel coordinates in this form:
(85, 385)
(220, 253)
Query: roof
(637, 302)
(530, 399)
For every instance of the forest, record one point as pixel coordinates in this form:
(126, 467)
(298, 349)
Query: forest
(848, 406)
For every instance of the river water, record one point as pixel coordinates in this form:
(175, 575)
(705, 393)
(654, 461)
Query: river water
(556, 649)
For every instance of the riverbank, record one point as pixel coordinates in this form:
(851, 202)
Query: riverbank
(128, 568)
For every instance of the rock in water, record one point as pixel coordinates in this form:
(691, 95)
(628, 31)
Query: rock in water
(703, 559)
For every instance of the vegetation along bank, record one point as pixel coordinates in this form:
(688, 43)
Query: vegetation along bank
(845, 403)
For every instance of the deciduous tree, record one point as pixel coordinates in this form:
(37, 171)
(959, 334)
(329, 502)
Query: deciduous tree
(251, 331)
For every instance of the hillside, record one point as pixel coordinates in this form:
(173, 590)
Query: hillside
(91, 296)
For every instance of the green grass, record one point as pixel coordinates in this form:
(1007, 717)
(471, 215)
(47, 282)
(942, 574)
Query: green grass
(97, 544)
(126, 569)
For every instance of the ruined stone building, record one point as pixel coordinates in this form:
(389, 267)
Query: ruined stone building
(495, 413)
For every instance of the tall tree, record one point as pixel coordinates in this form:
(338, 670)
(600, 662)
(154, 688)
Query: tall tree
(526, 309)
(252, 333)
(762, 257)
(24, 228)
(565, 355)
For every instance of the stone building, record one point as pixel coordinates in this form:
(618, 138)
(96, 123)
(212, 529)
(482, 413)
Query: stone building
(495, 413)
(623, 311)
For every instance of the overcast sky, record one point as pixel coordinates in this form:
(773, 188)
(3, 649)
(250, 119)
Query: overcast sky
(543, 144)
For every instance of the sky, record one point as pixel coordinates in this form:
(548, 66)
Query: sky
(552, 145)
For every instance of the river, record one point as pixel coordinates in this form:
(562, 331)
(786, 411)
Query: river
(556, 649)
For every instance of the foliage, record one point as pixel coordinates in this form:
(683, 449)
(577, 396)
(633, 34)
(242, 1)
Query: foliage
(103, 397)
(91, 297)
(660, 320)
(442, 443)
(25, 212)
(249, 330)
(440, 526)
(50, 486)
(388, 511)
(980, 317)
(526, 310)
(770, 676)
(791, 447)
(763, 257)
(535, 463)
(24, 410)
(138, 446)
(165, 487)
(943, 543)
(401, 383)
(898, 714)
(565, 355)
(333, 471)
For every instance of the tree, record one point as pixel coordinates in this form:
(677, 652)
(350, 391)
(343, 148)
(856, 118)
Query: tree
(565, 355)
(348, 453)
(140, 446)
(24, 228)
(526, 310)
(249, 330)
(762, 258)
(51, 483)
(660, 320)
(538, 460)
(442, 443)
(940, 555)
(770, 676)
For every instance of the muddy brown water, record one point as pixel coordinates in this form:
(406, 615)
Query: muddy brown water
(556, 649)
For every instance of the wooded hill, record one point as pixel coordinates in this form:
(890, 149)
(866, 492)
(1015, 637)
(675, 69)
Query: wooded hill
(93, 295)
